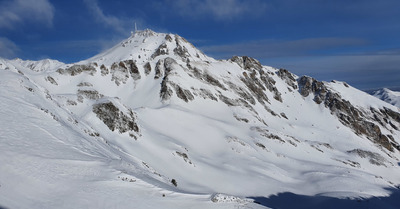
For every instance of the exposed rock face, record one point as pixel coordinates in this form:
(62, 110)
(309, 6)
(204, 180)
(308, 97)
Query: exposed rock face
(247, 63)
(115, 119)
(166, 91)
(87, 84)
(310, 85)
(161, 50)
(121, 71)
(183, 94)
(147, 68)
(206, 94)
(77, 69)
(373, 157)
(104, 70)
(255, 86)
(133, 69)
(168, 38)
(288, 77)
(180, 50)
(243, 93)
(89, 94)
(347, 114)
(204, 76)
(51, 80)
(159, 69)
(270, 84)
(167, 86)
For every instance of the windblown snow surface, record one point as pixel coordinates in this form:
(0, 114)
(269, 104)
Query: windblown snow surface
(155, 123)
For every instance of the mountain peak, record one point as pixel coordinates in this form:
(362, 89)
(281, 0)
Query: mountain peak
(145, 33)
(144, 46)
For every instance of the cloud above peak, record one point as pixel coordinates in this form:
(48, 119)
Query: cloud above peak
(121, 25)
(8, 49)
(221, 10)
(108, 20)
(16, 12)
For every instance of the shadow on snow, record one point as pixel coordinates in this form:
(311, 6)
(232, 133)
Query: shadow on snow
(289, 201)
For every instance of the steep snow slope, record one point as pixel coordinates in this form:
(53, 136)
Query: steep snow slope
(157, 110)
(50, 160)
(389, 96)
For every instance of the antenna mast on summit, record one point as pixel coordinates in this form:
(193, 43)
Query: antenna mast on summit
(135, 28)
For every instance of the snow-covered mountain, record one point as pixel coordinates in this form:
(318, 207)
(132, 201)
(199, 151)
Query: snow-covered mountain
(155, 123)
(389, 96)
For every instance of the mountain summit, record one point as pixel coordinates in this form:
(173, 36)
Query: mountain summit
(154, 116)
(146, 45)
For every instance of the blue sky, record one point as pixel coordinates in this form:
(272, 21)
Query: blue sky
(355, 41)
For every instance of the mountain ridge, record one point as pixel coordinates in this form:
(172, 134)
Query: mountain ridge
(157, 109)
(390, 96)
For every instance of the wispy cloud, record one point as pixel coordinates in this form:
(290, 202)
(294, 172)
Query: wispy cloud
(8, 49)
(279, 48)
(15, 12)
(221, 10)
(119, 24)
(362, 71)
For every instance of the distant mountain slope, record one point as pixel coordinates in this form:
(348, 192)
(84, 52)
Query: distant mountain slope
(154, 115)
(387, 95)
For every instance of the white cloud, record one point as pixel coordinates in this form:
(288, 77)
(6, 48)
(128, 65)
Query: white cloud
(220, 10)
(16, 12)
(118, 24)
(8, 49)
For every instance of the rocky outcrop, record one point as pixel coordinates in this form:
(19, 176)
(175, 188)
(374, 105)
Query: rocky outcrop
(83, 84)
(115, 119)
(255, 87)
(77, 69)
(121, 71)
(373, 157)
(205, 94)
(180, 50)
(161, 50)
(347, 114)
(288, 77)
(159, 69)
(133, 69)
(309, 85)
(168, 87)
(104, 70)
(166, 91)
(147, 68)
(88, 94)
(204, 76)
(51, 80)
(247, 63)
(269, 82)
(182, 93)
(168, 38)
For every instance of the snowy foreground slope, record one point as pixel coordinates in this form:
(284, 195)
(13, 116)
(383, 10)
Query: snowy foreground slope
(155, 123)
